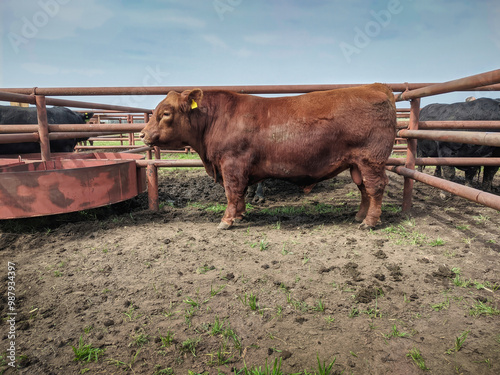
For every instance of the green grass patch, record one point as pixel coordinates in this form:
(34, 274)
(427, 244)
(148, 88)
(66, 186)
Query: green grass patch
(305, 209)
(480, 308)
(417, 358)
(86, 352)
(459, 342)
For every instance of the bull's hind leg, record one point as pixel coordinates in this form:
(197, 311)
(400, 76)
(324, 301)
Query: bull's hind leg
(365, 201)
(365, 204)
(372, 191)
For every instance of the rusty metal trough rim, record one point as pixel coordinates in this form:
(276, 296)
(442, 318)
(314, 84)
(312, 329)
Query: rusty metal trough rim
(103, 182)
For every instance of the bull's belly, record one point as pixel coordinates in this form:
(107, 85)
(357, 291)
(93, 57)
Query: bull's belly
(302, 175)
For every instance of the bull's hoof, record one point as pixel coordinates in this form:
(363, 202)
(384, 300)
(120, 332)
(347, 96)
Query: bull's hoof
(223, 226)
(258, 200)
(365, 226)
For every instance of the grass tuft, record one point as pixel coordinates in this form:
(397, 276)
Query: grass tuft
(86, 352)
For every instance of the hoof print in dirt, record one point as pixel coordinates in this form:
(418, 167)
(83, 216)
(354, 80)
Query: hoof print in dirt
(443, 272)
(351, 269)
(368, 294)
(109, 322)
(300, 320)
(326, 269)
(285, 354)
(229, 276)
(395, 272)
(380, 255)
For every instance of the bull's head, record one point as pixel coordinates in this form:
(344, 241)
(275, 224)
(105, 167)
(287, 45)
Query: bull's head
(168, 127)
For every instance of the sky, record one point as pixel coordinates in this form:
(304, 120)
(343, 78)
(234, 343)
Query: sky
(73, 43)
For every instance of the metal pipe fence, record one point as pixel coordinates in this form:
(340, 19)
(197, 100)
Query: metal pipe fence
(410, 130)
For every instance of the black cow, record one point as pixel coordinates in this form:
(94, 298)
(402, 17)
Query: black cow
(55, 115)
(482, 109)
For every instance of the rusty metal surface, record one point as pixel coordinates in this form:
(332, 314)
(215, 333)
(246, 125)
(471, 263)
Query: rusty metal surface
(43, 127)
(460, 162)
(124, 147)
(171, 163)
(483, 125)
(10, 161)
(116, 128)
(475, 195)
(466, 83)
(60, 186)
(152, 178)
(472, 137)
(139, 149)
(77, 155)
(28, 98)
(248, 89)
(411, 154)
(15, 138)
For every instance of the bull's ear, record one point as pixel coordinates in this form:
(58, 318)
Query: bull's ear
(190, 99)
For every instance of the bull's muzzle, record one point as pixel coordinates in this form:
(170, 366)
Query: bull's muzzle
(145, 138)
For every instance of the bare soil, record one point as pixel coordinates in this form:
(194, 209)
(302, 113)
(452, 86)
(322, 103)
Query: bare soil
(295, 280)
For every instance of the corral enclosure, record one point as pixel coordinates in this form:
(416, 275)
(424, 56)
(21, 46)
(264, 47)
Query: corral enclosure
(161, 292)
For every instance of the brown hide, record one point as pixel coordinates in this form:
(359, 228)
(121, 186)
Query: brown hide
(243, 139)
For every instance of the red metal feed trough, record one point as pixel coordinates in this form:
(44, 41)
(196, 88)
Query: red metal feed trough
(57, 186)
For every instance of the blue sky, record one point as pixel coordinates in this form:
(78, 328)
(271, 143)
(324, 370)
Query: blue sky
(52, 43)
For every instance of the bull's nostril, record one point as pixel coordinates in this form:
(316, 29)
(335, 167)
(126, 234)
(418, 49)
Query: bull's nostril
(141, 135)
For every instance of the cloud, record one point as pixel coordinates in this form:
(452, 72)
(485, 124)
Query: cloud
(161, 17)
(187, 22)
(54, 20)
(215, 41)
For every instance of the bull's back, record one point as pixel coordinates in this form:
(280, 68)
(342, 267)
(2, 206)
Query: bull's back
(345, 118)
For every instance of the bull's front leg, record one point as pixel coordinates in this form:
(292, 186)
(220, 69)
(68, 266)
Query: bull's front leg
(235, 186)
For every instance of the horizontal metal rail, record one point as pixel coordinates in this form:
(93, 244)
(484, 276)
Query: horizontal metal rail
(466, 83)
(138, 150)
(477, 138)
(482, 125)
(117, 147)
(457, 162)
(34, 137)
(247, 89)
(125, 128)
(392, 161)
(170, 163)
(22, 98)
(474, 195)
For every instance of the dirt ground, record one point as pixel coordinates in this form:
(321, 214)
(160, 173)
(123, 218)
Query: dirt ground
(166, 293)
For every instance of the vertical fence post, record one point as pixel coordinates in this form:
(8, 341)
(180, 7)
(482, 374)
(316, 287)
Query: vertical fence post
(157, 153)
(152, 176)
(411, 154)
(130, 120)
(43, 127)
(146, 120)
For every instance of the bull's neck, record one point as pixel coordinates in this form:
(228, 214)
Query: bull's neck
(203, 120)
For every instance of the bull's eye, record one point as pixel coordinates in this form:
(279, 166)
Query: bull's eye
(166, 114)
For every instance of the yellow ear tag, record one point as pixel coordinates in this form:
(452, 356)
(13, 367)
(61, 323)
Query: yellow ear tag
(194, 104)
